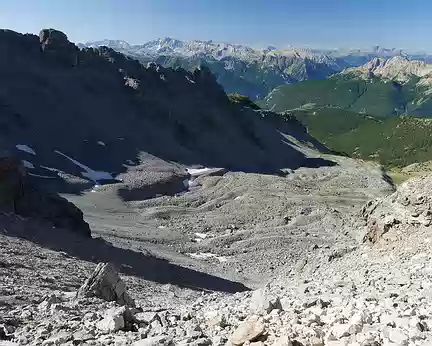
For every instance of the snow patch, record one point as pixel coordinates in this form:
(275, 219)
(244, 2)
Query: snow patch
(89, 173)
(95, 187)
(190, 80)
(26, 148)
(201, 235)
(162, 77)
(197, 171)
(51, 169)
(27, 164)
(208, 255)
(41, 176)
(101, 143)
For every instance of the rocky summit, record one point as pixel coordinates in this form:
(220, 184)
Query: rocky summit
(140, 205)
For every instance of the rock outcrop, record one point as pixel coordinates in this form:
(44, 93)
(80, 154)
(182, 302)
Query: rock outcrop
(56, 44)
(105, 283)
(401, 216)
(19, 196)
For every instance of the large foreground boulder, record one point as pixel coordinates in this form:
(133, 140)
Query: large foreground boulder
(105, 283)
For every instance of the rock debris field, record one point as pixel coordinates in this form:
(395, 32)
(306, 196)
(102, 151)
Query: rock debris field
(322, 256)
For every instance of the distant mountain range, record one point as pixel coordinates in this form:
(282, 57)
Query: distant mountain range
(246, 70)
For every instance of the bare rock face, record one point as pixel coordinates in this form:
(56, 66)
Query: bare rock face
(405, 212)
(56, 44)
(105, 283)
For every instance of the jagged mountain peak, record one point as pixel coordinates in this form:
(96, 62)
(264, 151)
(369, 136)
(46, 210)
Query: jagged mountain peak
(398, 68)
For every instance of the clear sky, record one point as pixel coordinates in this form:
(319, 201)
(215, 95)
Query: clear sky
(313, 23)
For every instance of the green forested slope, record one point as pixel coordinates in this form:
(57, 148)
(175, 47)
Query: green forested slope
(396, 141)
(374, 96)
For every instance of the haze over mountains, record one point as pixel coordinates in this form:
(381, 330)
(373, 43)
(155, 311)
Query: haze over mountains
(246, 70)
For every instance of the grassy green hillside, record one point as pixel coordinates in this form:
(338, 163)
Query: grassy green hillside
(394, 142)
(375, 96)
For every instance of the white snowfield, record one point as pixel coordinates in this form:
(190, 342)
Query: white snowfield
(194, 172)
(25, 148)
(89, 173)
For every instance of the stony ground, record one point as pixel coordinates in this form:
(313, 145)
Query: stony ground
(189, 260)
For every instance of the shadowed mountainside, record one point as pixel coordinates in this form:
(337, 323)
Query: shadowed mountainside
(98, 111)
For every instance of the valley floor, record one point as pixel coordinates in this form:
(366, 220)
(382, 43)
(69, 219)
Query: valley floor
(190, 260)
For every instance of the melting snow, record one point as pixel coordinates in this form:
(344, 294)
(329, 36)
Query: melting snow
(197, 171)
(95, 187)
(89, 173)
(41, 176)
(130, 162)
(208, 255)
(201, 235)
(51, 169)
(27, 164)
(190, 80)
(26, 148)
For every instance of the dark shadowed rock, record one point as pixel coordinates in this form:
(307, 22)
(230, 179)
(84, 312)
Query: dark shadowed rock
(56, 44)
(12, 175)
(110, 110)
(21, 197)
(106, 284)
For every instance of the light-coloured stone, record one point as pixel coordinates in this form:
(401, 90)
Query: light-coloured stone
(154, 341)
(396, 336)
(113, 320)
(283, 341)
(249, 330)
(263, 301)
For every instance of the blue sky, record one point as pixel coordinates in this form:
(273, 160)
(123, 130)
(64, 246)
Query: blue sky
(312, 23)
